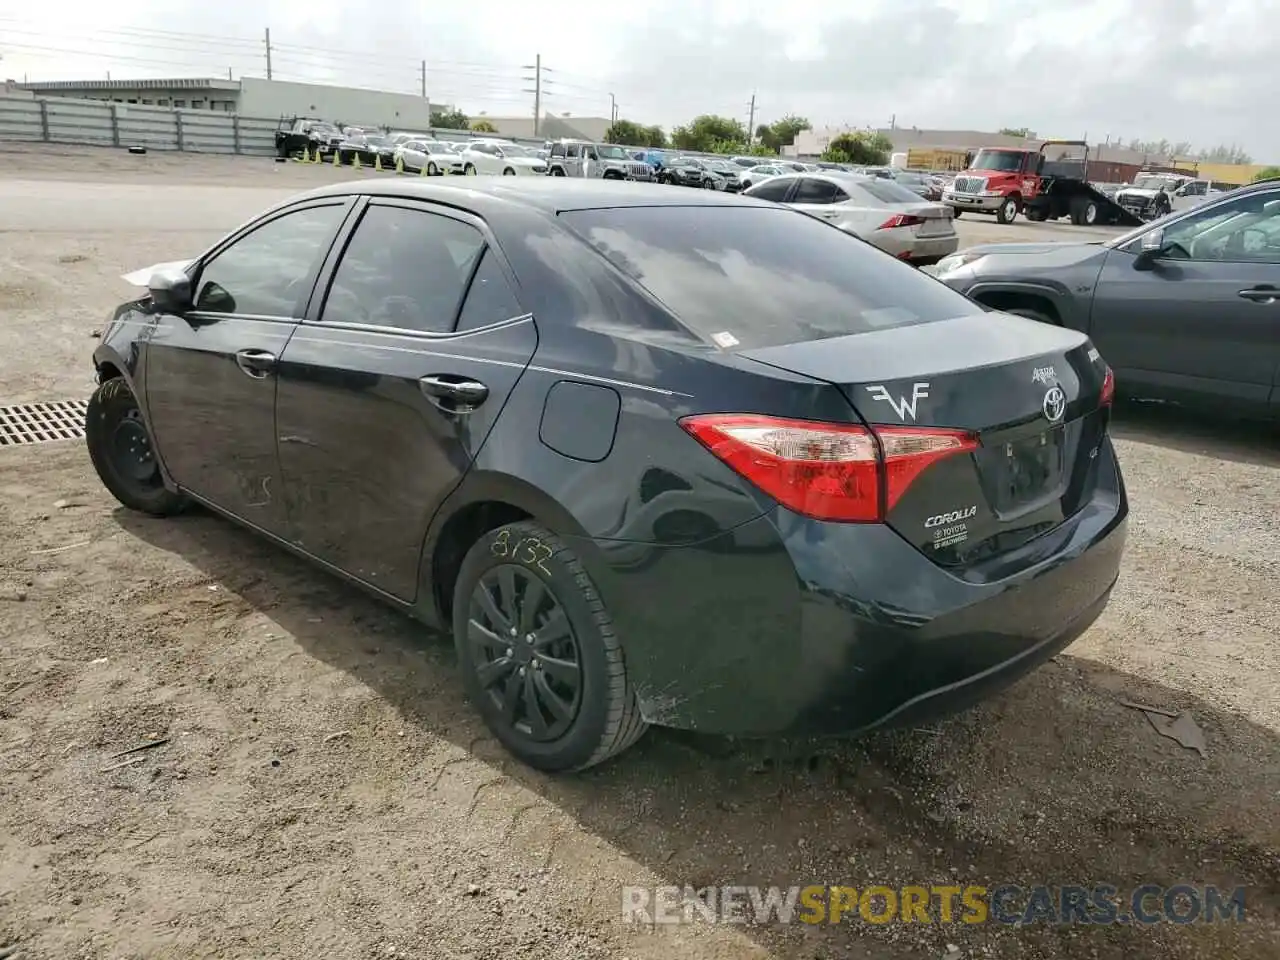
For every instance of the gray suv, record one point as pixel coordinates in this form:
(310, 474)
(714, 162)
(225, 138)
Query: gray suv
(581, 158)
(1185, 309)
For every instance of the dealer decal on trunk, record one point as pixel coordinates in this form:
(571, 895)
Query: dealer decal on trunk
(950, 528)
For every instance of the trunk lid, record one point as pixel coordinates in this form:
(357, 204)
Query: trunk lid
(1029, 392)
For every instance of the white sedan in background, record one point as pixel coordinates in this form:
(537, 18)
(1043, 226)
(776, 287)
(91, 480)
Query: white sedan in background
(879, 211)
(434, 156)
(505, 159)
(760, 173)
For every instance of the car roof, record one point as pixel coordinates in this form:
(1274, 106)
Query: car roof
(549, 194)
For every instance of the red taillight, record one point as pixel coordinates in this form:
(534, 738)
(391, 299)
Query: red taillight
(1108, 389)
(827, 471)
(901, 220)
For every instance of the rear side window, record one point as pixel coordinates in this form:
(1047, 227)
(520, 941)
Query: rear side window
(403, 268)
(489, 300)
(763, 276)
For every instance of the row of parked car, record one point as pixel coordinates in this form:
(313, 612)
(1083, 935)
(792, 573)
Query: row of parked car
(896, 210)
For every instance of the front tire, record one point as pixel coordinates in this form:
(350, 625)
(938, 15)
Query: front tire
(122, 452)
(1007, 211)
(508, 172)
(469, 170)
(538, 653)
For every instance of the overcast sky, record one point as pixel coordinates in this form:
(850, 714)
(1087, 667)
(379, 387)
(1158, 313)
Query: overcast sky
(1196, 70)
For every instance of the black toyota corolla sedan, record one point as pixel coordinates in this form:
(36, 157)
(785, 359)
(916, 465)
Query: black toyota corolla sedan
(653, 458)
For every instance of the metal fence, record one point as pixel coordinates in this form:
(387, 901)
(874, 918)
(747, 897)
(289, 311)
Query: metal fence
(95, 122)
(99, 123)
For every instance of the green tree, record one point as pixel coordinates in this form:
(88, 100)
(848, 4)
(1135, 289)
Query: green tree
(859, 146)
(781, 133)
(450, 120)
(1267, 173)
(483, 126)
(628, 133)
(1026, 133)
(707, 131)
(654, 137)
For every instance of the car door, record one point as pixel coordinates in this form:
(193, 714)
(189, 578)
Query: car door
(210, 373)
(392, 383)
(1204, 320)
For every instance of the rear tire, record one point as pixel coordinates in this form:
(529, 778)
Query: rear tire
(432, 169)
(1036, 214)
(122, 453)
(1007, 212)
(555, 692)
(955, 213)
(508, 172)
(469, 170)
(1084, 212)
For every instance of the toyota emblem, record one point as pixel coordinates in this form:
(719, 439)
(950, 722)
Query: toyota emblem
(1055, 404)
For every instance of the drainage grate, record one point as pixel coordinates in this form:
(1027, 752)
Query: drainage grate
(42, 422)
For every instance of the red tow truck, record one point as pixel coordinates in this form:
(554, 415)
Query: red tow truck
(1006, 181)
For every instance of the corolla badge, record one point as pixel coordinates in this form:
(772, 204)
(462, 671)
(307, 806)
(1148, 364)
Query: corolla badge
(1054, 405)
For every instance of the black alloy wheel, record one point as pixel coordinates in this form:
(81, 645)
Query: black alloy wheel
(538, 652)
(526, 656)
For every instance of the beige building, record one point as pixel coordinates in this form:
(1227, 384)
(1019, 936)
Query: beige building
(811, 143)
(552, 127)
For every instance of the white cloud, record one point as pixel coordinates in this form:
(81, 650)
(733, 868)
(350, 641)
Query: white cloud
(1197, 70)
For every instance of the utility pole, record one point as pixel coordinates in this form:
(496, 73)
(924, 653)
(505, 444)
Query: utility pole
(423, 73)
(613, 110)
(267, 41)
(751, 121)
(536, 79)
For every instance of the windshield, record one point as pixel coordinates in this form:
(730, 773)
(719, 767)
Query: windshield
(750, 277)
(1001, 161)
(612, 153)
(512, 150)
(376, 141)
(1145, 181)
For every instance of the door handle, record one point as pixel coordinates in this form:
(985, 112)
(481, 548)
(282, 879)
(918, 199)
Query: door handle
(454, 394)
(1261, 294)
(256, 363)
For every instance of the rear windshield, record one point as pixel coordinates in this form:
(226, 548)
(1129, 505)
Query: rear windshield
(887, 191)
(741, 278)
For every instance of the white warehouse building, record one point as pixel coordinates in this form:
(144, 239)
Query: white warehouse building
(256, 97)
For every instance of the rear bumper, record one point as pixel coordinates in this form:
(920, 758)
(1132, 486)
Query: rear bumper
(786, 626)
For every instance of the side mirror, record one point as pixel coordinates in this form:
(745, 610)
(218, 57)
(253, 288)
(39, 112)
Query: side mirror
(170, 291)
(1150, 249)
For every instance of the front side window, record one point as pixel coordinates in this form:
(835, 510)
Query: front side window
(403, 268)
(265, 272)
(1245, 230)
(765, 276)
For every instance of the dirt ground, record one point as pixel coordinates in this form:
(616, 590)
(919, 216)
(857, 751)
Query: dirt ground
(325, 791)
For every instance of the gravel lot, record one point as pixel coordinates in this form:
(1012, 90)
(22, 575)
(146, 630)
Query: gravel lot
(325, 791)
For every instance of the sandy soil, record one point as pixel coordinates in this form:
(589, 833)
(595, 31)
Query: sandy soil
(324, 790)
